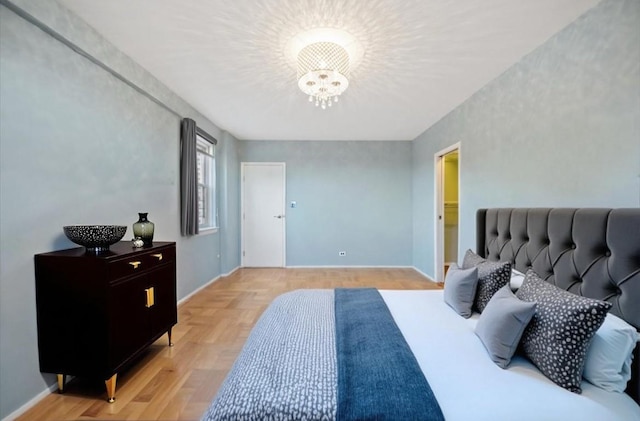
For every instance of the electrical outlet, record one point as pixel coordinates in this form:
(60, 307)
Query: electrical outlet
(342, 253)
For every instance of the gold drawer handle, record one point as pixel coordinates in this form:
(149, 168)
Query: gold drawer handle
(159, 256)
(135, 264)
(150, 297)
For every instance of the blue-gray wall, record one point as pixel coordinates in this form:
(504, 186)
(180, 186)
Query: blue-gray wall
(559, 128)
(351, 196)
(228, 182)
(77, 146)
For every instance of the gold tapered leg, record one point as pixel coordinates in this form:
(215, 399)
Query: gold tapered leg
(169, 333)
(62, 378)
(111, 388)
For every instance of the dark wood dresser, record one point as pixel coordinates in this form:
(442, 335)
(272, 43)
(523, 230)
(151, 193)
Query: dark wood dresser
(97, 312)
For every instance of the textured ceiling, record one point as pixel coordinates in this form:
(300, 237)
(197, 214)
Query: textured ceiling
(420, 58)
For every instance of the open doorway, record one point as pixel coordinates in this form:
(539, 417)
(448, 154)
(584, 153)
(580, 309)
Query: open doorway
(447, 167)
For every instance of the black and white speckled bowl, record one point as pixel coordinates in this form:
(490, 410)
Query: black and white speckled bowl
(95, 238)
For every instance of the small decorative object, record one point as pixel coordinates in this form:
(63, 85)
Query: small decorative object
(137, 242)
(143, 229)
(95, 238)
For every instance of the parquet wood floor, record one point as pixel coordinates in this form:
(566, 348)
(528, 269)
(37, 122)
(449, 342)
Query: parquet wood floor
(179, 382)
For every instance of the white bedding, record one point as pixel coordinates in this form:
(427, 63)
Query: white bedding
(464, 379)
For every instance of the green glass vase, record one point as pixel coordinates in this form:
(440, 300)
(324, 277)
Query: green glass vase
(143, 229)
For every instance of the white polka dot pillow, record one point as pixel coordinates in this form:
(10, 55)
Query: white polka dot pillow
(491, 277)
(558, 336)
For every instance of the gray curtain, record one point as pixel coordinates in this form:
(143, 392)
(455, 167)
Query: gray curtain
(188, 179)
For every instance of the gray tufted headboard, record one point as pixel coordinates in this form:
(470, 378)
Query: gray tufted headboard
(590, 252)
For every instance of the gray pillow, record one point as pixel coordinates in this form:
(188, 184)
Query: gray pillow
(491, 277)
(471, 259)
(558, 336)
(460, 289)
(501, 325)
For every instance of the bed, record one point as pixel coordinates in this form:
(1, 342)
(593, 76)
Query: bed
(297, 364)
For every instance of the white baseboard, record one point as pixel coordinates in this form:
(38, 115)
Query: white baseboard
(429, 278)
(230, 272)
(194, 292)
(33, 402)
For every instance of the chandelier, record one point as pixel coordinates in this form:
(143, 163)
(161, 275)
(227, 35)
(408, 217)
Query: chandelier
(323, 71)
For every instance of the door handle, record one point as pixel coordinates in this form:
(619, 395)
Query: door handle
(278, 216)
(150, 297)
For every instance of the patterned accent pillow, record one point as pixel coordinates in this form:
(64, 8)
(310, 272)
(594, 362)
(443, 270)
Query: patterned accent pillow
(558, 336)
(491, 277)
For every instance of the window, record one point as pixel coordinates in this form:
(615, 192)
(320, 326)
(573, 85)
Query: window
(198, 211)
(206, 173)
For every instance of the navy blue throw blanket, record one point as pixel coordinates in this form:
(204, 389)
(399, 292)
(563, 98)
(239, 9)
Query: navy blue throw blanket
(378, 375)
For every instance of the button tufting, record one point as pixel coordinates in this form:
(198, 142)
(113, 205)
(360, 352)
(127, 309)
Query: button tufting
(573, 246)
(607, 253)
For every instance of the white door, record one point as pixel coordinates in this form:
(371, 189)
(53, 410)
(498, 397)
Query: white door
(263, 216)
